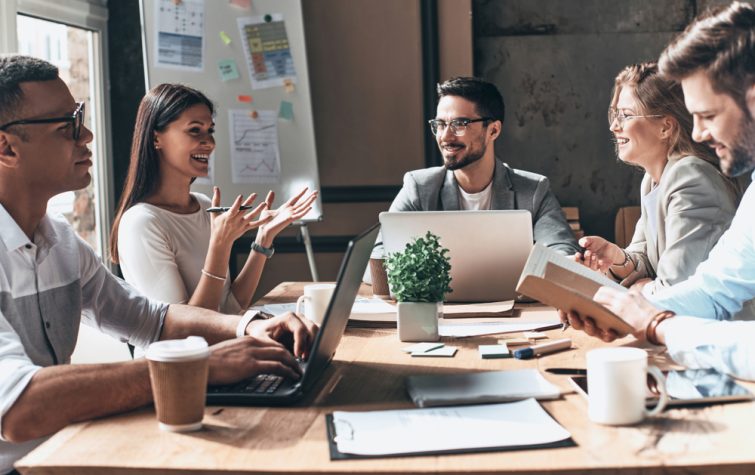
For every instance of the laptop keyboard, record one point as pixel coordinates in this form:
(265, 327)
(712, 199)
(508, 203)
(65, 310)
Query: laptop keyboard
(261, 384)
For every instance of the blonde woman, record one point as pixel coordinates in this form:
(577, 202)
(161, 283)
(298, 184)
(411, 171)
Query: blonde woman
(687, 203)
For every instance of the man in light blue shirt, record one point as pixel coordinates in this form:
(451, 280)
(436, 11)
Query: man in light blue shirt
(715, 62)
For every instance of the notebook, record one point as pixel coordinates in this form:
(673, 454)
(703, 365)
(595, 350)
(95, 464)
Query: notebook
(476, 388)
(274, 390)
(488, 249)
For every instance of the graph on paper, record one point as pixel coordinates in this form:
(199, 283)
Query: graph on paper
(255, 155)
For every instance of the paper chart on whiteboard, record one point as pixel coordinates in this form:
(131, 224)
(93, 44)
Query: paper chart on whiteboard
(267, 51)
(255, 155)
(180, 34)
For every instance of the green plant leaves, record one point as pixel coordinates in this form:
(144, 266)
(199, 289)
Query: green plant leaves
(420, 273)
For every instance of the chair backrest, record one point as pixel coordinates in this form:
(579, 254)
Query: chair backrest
(626, 220)
(572, 217)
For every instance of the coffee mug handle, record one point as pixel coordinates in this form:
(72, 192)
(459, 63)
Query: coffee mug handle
(661, 385)
(299, 303)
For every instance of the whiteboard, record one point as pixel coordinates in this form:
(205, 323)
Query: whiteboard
(185, 60)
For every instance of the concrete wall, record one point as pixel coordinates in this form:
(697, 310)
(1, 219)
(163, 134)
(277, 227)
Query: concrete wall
(555, 61)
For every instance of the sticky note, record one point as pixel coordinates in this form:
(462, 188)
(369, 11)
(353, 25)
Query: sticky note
(535, 335)
(286, 111)
(494, 351)
(514, 341)
(288, 85)
(225, 38)
(241, 3)
(244, 98)
(422, 347)
(228, 69)
(445, 351)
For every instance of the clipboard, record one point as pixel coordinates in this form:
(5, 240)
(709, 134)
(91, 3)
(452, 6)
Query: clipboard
(335, 454)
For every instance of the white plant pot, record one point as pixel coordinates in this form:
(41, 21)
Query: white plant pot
(418, 321)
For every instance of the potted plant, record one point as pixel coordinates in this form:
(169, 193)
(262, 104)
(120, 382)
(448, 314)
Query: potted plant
(419, 280)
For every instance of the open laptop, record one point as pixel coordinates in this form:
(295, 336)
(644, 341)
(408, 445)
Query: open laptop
(488, 249)
(276, 390)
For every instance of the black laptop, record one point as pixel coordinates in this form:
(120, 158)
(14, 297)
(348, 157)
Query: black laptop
(268, 389)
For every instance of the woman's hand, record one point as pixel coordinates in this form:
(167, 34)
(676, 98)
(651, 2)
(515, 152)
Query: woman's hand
(295, 208)
(231, 225)
(599, 254)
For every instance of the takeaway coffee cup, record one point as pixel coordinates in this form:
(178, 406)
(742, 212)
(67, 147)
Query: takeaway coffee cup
(315, 299)
(617, 386)
(379, 278)
(178, 372)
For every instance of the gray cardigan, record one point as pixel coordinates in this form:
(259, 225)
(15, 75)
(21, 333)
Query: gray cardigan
(436, 189)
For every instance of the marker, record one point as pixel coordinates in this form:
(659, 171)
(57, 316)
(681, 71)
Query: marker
(543, 349)
(223, 209)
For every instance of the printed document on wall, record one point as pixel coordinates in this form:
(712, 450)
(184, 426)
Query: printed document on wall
(180, 34)
(255, 155)
(267, 51)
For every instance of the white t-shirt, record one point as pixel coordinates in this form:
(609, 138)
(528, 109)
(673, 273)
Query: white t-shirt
(162, 253)
(650, 206)
(476, 201)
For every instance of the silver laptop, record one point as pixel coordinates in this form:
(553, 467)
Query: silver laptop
(488, 249)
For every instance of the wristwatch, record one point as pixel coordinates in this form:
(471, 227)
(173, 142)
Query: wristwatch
(265, 251)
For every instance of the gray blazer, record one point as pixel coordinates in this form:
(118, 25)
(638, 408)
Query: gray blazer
(436, 189)
(695, 207)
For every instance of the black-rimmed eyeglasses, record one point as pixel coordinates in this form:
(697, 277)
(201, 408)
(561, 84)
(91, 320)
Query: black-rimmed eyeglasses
(458, 126)
(76, 119)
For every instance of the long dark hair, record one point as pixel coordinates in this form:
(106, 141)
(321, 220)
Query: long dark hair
(162, 105)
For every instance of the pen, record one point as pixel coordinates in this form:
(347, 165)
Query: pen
(223, 209)
(543, 349)
(572, 371)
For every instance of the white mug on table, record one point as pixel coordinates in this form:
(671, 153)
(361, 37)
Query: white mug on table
(617, 386)
(315, 299)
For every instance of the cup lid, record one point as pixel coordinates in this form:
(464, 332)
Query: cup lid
(190, 348)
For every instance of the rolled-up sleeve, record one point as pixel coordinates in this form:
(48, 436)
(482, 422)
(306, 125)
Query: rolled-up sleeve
(114, 307)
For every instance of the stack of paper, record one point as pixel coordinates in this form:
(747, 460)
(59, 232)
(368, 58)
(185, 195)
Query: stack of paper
(508, 426)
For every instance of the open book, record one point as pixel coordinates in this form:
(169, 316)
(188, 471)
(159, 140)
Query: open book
(562, 283)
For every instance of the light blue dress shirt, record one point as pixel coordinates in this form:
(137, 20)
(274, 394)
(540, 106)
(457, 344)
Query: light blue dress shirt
(719, 289)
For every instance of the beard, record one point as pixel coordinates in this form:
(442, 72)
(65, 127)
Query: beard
(473, 154)
(742, 151)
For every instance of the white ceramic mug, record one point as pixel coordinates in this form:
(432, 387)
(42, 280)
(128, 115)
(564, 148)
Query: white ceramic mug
(315, 299)
(617, 386)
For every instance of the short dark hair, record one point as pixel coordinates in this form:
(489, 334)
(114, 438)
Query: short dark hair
(720, 42)
(14, 70)
(484, 95)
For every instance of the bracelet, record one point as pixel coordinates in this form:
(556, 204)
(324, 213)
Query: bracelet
(213, 276)
(626, 260)
(650, 330)
(244, 322)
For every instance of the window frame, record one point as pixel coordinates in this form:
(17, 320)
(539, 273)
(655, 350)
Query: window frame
(90, 15)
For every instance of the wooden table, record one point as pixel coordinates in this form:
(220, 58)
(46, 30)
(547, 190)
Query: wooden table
(368, 373)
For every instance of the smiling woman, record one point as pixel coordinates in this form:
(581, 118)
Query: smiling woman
(167, 244)
(686, 201)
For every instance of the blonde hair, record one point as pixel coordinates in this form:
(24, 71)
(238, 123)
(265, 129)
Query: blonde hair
(657, 95)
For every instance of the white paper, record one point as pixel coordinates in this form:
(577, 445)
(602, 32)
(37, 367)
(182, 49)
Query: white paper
(459, 330)
(267, 51)
(482, 387)
(362, 305)
(180, 34)
(255, 155)
(439, 429)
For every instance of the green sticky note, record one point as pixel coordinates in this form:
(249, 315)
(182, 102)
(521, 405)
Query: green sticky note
(228, 69)
(225, 38)
(286, 111)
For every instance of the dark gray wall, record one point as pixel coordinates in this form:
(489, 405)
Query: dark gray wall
(555, 61)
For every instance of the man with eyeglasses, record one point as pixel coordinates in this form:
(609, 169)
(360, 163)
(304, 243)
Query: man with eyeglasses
(50, 279)
(468, 121)
(715, 62)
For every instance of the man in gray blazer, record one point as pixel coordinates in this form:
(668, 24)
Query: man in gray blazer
(469, 119)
